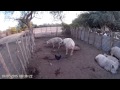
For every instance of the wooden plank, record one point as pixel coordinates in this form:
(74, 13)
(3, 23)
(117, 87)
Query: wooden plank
(46, 29)
(26, 47)
(22, 53)
(29, 42)
(75, 33)
(4, 65)
(21, 62)
(32, 43)
(24, 50)
(26, 44)
(11, 58)
(50, 31)
(57, 31)
(41, 29)
(29, 45)
(28, 52)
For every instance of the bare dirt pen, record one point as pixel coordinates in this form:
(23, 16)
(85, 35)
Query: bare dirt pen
(79, 66)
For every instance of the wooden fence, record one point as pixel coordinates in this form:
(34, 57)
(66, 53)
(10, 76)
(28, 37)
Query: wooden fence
(47, 31)
(15, 56)
(98, 40)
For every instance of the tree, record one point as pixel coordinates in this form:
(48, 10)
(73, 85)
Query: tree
(81, 20)
(21, 26)
(99, 19)
(13, 30)
(58, 15)
(25, 18)
(66, 29)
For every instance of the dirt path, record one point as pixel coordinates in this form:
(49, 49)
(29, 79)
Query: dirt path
(79, 66)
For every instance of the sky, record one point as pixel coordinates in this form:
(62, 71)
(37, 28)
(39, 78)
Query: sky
(45, 18)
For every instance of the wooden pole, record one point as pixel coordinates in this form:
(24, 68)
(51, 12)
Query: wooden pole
(21, 62)
(46, 29)
(83, 33)
(41, 29)
(27, 47)
(57, 31)
(11, 58)
(79, 33)
(101, 41)
(88, 36)
(75, 33)
(29, 43)
(94, 38)
(22, 53)
(4, 65)
(24, 50)
(50, 30)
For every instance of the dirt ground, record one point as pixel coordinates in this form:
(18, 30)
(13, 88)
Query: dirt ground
(79, 66)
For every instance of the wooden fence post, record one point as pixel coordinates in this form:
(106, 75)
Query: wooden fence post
(75, 33)
(57, 31)
(88, 35)
(84, 34)
(94, 37)
(79, 33)
(11, 58)
(24, 49)
(21, 62)
(29, 40)
(41, 30)
(71, 32)
(27, 52)
(46, 29)
(101, 40)
(21, 53)
(27, 47)
(4, 65)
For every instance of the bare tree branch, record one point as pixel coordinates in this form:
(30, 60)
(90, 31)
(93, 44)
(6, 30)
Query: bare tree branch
(57, 15)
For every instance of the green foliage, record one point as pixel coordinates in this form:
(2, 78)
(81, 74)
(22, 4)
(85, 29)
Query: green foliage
(35, 26)
(66, 29)
(13, 30)
(81, 20)
(99, 19)
(21, 26)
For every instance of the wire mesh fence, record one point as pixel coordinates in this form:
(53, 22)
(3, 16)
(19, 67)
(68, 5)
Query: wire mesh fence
(47, 32)
(14, 56)
(15, 51)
